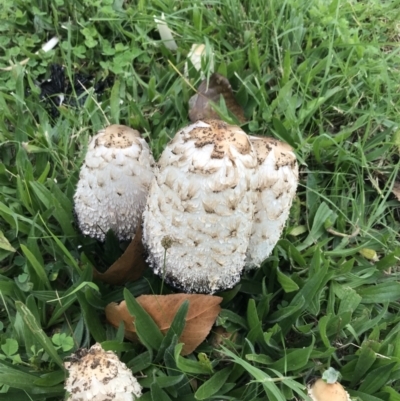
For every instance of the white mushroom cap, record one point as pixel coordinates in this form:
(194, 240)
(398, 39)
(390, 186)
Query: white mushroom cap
(98, 375)
(274, 187)
(113, 183)
(201, 202)
(320, 390)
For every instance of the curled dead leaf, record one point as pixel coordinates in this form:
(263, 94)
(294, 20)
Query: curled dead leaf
(384, 177)
(396, 190)
(202, 313)
(200, 105)
(220, 336)
(129, 267)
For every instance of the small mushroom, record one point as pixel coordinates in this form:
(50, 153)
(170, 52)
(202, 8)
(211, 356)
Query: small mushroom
(274, 186)
(98, 375)
(198, 217)
(320, 390)
(113, 183)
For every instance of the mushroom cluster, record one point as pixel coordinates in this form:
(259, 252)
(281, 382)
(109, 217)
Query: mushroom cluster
(201, 200)
(98, 375)
(218, 203)
(113, 183)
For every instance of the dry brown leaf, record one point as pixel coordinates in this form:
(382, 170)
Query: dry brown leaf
(211, 91)
(220, 336)
(129, 267)
(380, 175)
(203, 310)
(396, 190)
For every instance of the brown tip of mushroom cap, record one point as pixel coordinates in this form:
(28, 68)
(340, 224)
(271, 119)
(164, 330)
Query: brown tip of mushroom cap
(264, 145)
(222, 136)
(117, 136)
(323, 391)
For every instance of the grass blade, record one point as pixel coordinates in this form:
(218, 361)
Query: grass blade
(38, 333)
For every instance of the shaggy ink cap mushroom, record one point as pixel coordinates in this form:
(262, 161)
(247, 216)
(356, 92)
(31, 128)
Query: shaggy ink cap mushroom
(201, 200)
(274, 187)
(98, 375)
(320, 390)
(328, 388)
(113, 183)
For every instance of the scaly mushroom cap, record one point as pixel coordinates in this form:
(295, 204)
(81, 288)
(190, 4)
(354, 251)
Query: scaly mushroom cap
(200, 207)
(274, 186)
(323, 391)
(97, 375)
(113, 183)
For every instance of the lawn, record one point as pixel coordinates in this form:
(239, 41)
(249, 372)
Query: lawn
(323, 76)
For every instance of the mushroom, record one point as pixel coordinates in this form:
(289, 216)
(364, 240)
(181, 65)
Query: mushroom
(320, 390)
(274, 187)
(198, 218)
(99, 375)
(113, 183)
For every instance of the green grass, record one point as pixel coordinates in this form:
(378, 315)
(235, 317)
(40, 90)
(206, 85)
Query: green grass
(323, 76)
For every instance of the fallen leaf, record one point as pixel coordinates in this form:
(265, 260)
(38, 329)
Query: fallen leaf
(384, 177)
(203, 310)
(396, 190)
(200, 105)
(129, 267)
